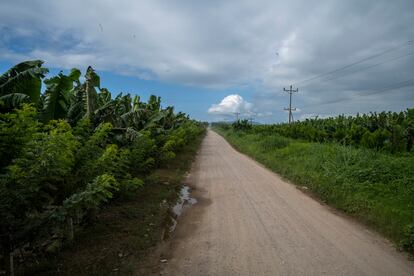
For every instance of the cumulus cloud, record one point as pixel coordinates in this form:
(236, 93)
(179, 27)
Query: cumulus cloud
(230, 105)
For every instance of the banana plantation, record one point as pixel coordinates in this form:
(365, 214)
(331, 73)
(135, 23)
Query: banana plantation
(69, 150)
(391, 132)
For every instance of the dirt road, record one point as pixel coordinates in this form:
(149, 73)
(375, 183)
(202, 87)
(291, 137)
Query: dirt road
(250, 222)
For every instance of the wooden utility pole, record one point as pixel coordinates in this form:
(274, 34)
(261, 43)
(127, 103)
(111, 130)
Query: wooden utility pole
(237, 116)
(290, 109)
(251, 118)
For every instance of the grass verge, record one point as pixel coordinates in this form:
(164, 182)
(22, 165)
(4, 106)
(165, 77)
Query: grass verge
(374, 187)
(124, 231)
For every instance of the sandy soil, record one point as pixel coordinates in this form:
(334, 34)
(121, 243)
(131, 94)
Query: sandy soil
(248, 221)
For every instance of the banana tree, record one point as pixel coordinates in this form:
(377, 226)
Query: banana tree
(83, 97)
(21, 83)
(104, 97)
(136, 103)
(90, 95)
(154, 103)
(56, 99)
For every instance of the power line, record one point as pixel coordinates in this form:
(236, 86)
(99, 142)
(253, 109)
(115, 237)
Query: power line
(390, 87)
(370, 66)
(393, 86)
(357, 62)
(237, 116)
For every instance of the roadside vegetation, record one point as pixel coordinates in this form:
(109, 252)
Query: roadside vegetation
(391, 132)
(74, 150)
(372, 183)
(128, 235)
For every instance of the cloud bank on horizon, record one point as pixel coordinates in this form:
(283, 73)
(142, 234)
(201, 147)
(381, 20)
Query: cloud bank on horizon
(264, 45)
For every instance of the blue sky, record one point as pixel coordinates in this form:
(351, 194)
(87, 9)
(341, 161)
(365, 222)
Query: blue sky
(213, 58)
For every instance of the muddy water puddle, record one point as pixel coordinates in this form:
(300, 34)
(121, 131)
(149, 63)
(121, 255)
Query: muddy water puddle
(185, 201)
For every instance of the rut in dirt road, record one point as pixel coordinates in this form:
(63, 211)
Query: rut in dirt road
(250, 222)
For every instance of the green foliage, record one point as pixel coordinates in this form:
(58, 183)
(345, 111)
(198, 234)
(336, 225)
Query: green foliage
(241, 125)
(408, 242)
(89, 94)
(22, 79)
(387, 131)
(131, 185)
(100, 190)
(89, 157)
(8, 101)
(45, 161)
(57, 97)
(31, 184)
(64, 156)
(17, 129)
(142, 153)
(269, 143)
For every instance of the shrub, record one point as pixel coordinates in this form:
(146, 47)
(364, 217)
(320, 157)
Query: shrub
(408, 242)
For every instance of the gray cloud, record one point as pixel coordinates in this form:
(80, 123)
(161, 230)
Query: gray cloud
(219, 44)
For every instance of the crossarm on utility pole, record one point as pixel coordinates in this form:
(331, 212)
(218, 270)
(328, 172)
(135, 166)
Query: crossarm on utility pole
(290, 91)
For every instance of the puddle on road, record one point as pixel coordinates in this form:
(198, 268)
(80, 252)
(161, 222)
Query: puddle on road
(183, 202)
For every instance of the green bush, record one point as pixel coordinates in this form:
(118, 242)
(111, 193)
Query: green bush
(408, 242)
(269, 143)
(55, 173)
(386, 131)
(241, 125)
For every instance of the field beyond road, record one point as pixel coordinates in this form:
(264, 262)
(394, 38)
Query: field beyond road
(250, 222)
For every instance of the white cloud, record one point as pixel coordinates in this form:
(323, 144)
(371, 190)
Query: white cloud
(230, 105)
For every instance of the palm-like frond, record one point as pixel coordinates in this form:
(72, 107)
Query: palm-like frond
(90, 95)
(10, 101)
(23, 78)
(57, 97)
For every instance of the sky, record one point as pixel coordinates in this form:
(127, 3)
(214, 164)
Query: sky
(212, 59)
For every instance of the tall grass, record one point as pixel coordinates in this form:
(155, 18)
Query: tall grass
(377, 188)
